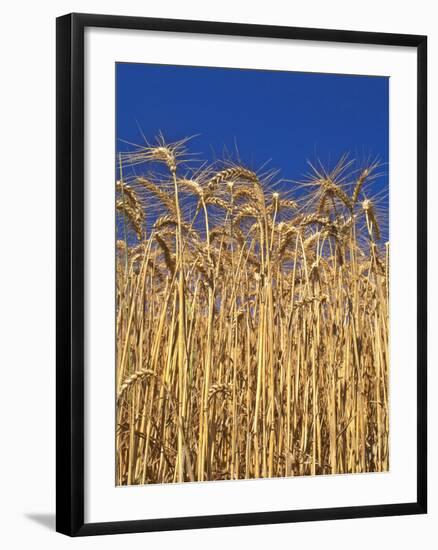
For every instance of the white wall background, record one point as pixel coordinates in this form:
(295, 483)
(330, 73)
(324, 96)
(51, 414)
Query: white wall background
(27, 299)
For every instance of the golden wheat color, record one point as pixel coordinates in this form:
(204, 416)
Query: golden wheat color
(252, 325)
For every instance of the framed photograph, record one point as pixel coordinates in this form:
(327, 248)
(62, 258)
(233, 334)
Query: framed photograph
(241, 274)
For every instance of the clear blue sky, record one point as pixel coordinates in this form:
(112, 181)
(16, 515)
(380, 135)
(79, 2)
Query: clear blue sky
(284, 116)
(287, 117)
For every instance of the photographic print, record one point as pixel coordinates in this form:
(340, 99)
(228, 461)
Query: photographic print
(252, 274)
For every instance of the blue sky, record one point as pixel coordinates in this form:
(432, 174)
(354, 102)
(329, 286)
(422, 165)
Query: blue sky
(286, 118)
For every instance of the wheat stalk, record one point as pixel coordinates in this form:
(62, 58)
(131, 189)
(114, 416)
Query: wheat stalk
(265, 336)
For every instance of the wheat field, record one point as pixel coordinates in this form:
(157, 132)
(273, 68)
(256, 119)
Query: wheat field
(252, 320)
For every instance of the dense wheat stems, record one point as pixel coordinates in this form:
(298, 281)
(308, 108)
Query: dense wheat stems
(252, 326)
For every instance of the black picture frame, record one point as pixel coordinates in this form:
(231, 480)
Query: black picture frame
(70, 274)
